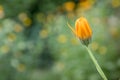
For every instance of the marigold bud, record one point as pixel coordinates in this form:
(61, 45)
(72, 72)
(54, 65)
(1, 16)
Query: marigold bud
(82, 31)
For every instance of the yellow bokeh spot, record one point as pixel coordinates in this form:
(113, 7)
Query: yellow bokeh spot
(27, 22)
(59, 66)
(69, 6)
(102, 50)
(1, 12)
(71, 15)
(62, 38)
(21, 67)
(74, 41)
(18, 28)
(86, 4)
(11, 37)
(1, 8)
(40, 17)
(94, 46)
(114, 32)
(115, 3)
(4, 49)
(25, 19)
(43, 33)
(50, 18)
(22, 16)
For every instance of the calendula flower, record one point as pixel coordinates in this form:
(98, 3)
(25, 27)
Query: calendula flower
(84, 33)
(82, 30)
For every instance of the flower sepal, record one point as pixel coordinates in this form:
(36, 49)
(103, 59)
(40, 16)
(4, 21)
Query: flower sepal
(85, 41)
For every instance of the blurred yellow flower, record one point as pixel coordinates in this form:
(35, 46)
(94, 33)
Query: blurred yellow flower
(21, 67)
(25, 19)
(1, 12)
(102, 50)
(5, 49)
(59, 66)
(94, 46)
(40, 17)
(114, 32)
(71, 15)
(22, 16)
(50, 18)
(69, 6)
(27, 22)
(62, 38)
(18, 28)
(11, 37)
(74, 41)
(43, 33)
(115, 3)
(86, 4)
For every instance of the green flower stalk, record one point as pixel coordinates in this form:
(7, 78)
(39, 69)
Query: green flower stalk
(84, 33)
(96, 64)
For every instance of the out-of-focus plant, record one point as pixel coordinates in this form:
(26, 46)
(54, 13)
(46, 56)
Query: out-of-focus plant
(35, 44)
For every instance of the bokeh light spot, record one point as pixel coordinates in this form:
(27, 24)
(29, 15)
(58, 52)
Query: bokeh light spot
(43, 33)
(62, 38)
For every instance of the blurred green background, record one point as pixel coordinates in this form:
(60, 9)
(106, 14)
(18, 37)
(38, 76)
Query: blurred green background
(36, 43)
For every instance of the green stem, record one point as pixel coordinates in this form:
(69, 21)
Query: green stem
(96, 64)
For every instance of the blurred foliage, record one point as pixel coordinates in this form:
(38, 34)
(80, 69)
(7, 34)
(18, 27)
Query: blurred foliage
(36, 44)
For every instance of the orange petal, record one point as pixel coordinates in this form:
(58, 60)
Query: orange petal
(83, 29)
(87, 28)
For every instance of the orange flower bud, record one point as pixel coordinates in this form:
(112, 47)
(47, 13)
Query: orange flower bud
(82, 31)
